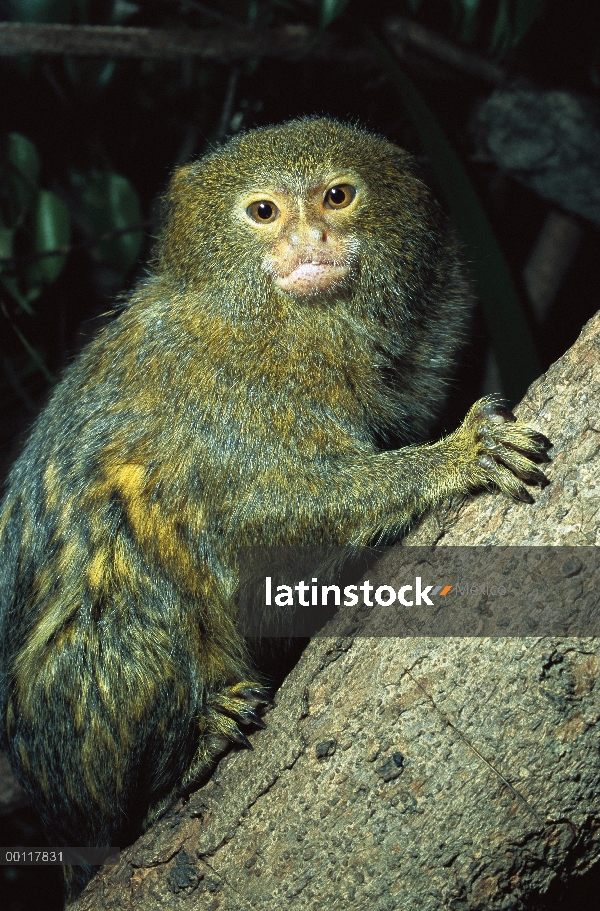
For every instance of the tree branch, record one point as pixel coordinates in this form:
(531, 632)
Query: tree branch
(218, 45)
(401, 32)
(414, 772)
(226, 45)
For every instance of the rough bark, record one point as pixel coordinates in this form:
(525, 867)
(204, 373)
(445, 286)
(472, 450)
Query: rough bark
(412, 773)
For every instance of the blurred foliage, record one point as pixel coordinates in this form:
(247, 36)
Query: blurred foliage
(32, 218)
(516, 356)
(95, 139)
(35, 222)
(511, 19)
(109, 203)
(330, 10)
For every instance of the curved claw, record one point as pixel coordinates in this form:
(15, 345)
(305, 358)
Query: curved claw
(523, 468)
(257, 697)
(498, 413)
(240, 738)
(542, 457)
(524, 495)
(254, 719)
(541, 439)
(506, 451)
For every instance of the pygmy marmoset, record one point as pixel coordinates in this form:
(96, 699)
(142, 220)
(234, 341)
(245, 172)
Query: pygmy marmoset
(303, 309)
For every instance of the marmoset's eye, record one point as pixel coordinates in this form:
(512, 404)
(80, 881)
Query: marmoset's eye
(339, 197)
(263, 212)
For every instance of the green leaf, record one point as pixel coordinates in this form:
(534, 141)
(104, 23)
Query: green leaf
(330, 10)
(470, 16)
(526, 13)
(6, 244)
(517, 357)
(470, 6)
(91, 74)
(110, 203)
(22, 155)
(502, 37)
(510, 30)
(21, 177)
(52, 230)
(7, 277)
(40, 10)
(121, 11)
(252, 14)
(11, 284)
(35, 355)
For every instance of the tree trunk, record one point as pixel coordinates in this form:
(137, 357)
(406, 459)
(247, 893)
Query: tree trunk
(412, 773)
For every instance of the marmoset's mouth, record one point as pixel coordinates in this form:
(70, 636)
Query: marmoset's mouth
(311, 276)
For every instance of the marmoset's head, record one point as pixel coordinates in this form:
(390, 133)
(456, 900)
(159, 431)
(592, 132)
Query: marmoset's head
(309, 208)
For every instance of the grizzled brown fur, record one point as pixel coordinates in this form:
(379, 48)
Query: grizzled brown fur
(244, 396)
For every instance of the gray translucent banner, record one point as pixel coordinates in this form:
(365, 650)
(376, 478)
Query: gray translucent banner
(54, 857)
(419, 591)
